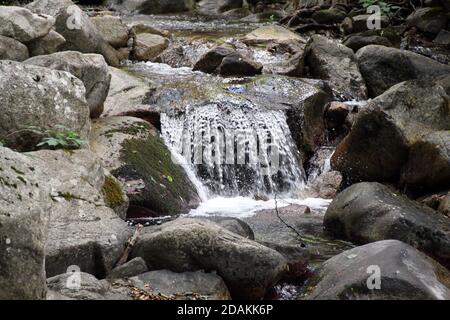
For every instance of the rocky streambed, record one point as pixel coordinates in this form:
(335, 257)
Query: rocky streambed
(121, 127)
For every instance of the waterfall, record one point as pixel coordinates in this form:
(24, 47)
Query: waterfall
(236, 150)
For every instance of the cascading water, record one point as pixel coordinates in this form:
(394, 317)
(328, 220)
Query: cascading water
(236, 150)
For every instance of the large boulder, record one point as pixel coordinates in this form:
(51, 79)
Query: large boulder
(11, 49)
(247, 267)
(35, 99)
(23, 25)
(86, 227)
(112, 29)
(147, 46)
(428, 166)
(152, 6)
(75, 26)
(368, 212)
(429, 20)
(271, 33)
(131, 149)
(336, 63)
(48, 44)
(89, 68)
(405, 274)
(382, 67)
(237, 65)
(24, 212)
(377, 147)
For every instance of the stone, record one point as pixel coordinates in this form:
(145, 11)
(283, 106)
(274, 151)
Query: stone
(428, 166)
(131, 149)
(334, 62)
(271, 33)
(132, 268)
(406, 274)
(383, 67)
(360, 22)
(24, 213)
(247, 267)
(152, 6)
(112, 29)
(442, 38)
(48, 44)
(23, 25)
(11, 49)
(329, 16)
(41, 98)
(148, 46)
(356, 42)
(369, 211)
(89, 68)
(237, 65)
(428, 20)
(211, 60)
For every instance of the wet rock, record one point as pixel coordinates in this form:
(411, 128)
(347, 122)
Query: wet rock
(11, 49)
(378, 145)
(329, 16)
(76, 27)
(48, 44)
(152, 6)
(406, 274)
(85, 228)
(326, 185)
(383, 67)
(138, 28)
(237, 65)
(24, 213)
(234, 225)
(368, 212)
(444, 206)
(42, 98)
(336, 114)
(112, 29)
(356, 42)
(212, 59)
(183, 286)
(428, 166)
(334, 62)
(23, 25)
(129, 269)
(147, 46)
(271, 33)
(428, 20)
(442, 38)
(131, 149)
(247, 267)
(89, 68)
(226, 5)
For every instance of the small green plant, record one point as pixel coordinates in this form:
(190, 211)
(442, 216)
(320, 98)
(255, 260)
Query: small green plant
(60, 138)
(385, 7)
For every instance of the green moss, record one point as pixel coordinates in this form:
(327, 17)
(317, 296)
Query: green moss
(112, 192)
(167, 186)
(132, 129)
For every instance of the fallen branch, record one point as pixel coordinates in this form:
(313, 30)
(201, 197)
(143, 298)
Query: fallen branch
(286, 224)
(130, 244)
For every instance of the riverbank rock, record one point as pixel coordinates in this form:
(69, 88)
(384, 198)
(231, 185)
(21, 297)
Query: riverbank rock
(89, 68)
(24, 214)
(41, 98)
(147, 46)
(429, 20)
(383, 67)
(23, 25)
(112, 29)
(182, 286)
(11, 49)
(271, 34)
(212, 59)
(76, 27)
(368, 212)
(129, 269)
(151, 6)
(237, 65)
(85, 229)
(48, 44)
(132, 151)
(360, 22)
(247, 267)
(428, 166)
(378, 145)
(405, 274)
(336, 63)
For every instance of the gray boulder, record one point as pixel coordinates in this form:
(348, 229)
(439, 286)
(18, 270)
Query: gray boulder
(89, 68)
(383, 67)
(24, 213)
(131, 149)
(112, 29)
(368, 212)
(23, 25)
(11, 49)
(405, 274)
(129, 269)
(429, 20)
(247, 267)
(48, 44)
(41, 98)
(152, 6)
(336, 63)
(147, 46)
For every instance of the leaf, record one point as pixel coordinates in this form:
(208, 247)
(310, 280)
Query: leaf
(170, 179)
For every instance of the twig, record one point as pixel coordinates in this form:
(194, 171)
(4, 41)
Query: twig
(130, 244)
(285, 223)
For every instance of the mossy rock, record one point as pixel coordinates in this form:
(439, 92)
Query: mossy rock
(135, 154)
